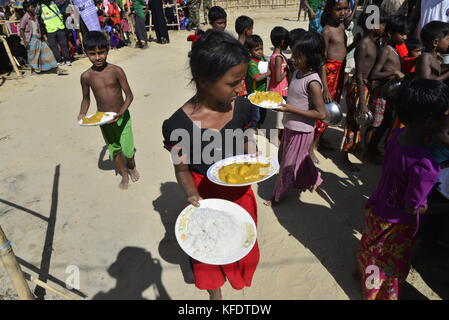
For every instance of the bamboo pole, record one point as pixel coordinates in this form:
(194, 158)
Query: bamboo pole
(11, 59)
(12, 267)
(46, 286)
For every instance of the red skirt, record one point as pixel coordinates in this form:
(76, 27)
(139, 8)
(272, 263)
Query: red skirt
(240, 273)
(335, 76)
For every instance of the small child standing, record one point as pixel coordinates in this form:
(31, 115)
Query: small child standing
(217, 18)
(304, 106)
(435, 37)
(255, 80)
(408, 175)
(357, 94)
(388, 66)
(280, 39)
(244, 27)
(334, 20)
(414, 47)
(107, 82)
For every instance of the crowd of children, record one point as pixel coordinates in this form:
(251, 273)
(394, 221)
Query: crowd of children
(398, 82)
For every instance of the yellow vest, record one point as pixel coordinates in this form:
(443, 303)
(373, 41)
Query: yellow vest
(52, 21)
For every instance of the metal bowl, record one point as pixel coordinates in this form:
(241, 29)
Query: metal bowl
(334, 115)
(365, 119)
(391, 88)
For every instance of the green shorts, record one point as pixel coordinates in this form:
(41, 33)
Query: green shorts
(119, 137)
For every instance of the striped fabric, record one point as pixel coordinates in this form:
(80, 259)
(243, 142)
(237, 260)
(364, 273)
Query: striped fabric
(40, 56)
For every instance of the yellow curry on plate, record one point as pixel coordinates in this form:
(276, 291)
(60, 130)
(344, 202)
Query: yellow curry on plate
(260, 97)
(245, 172)
(94, 119)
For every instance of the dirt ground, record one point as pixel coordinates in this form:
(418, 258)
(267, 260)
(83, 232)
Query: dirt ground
(61, 207)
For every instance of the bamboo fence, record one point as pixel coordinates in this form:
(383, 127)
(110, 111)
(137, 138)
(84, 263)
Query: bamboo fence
(247, 4)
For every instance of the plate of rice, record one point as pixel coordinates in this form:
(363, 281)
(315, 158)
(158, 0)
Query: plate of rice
(266, 100)
(218, 232)
(443, 182)
(242, 172)
(97, 119)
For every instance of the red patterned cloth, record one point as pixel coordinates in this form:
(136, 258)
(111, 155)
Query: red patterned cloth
(389, 247)
(240, 273)
(335, 76)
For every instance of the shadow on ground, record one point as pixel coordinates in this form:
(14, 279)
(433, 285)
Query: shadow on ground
(169, 204)
(135, 271)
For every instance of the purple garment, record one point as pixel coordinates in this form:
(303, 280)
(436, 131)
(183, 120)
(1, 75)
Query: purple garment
(297, 170)
(298, 96)
(408, 175)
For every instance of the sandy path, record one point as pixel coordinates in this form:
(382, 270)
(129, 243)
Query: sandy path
(54, 168)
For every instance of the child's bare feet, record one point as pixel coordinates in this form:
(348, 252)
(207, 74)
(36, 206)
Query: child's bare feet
(124, 183)
(134, 174)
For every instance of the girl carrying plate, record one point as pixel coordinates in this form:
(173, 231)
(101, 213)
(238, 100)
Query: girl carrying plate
(218, 63)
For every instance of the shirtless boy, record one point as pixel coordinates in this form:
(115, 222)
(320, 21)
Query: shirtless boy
(435, 38)
(107, 82)
(336, 17)
(388, 66)
(358, 90)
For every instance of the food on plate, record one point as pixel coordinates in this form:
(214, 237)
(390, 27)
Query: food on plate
(266, 99)
(244, 172)
(93, 119)
(212, 233)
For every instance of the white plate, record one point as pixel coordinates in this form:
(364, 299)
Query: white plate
(247, 231)
(108, 116)
(263, 66)
(212, 173)
(443, 179)
(271, 107)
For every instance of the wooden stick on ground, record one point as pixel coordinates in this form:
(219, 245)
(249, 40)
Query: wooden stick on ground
(46, 286)
(12, 267)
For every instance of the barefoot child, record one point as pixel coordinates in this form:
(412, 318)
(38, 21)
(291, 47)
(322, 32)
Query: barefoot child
(304, 106)
(334, 21)
(358, 90)
(408, 175)
(435, 38)
(388, 66)
(255, 80)
(244, 27)
(107, 82)
(280, 39)
(218, 63)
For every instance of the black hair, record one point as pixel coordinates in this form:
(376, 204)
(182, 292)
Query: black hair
(295, 34)
(243, 23)
(413, 43)
(397, 24)
(213, 54)
(253, 41)
(95, 39)
(311, 47)
(26, 4)
(216, 13)
(434, 30)
(364, 16)
(422, 99)
(279, 34)
(330, 4)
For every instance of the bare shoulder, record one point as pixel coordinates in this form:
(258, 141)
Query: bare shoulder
(85, 76)
(115, 68)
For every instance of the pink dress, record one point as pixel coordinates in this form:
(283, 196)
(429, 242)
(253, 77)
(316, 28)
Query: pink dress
(273, 85)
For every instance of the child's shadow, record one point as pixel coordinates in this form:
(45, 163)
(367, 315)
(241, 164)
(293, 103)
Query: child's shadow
(106, 164)
(135, 271)
(322, 230)
(169, 204)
